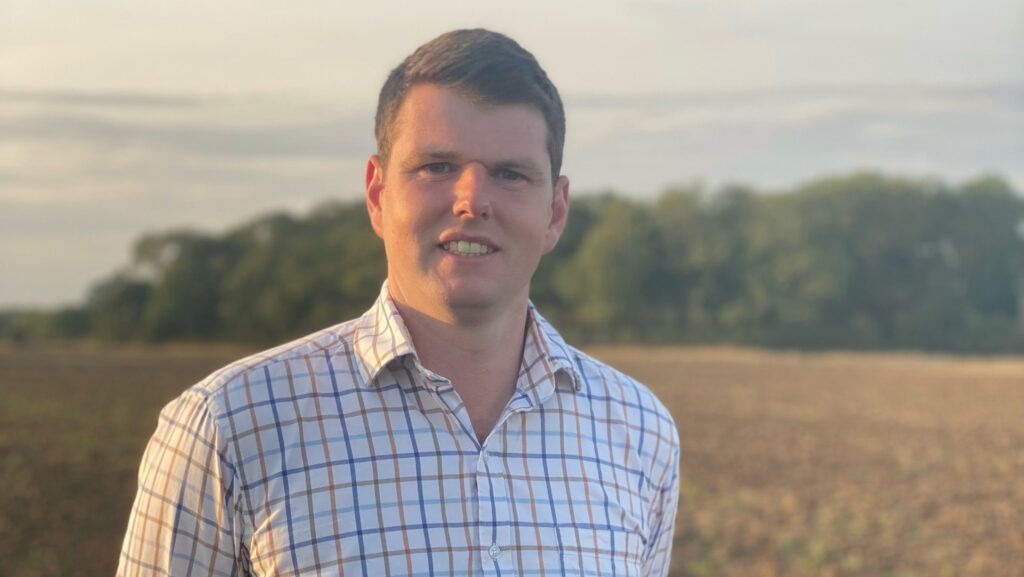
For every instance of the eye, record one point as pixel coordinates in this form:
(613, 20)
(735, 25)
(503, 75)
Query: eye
(509, 175)
(437, 168)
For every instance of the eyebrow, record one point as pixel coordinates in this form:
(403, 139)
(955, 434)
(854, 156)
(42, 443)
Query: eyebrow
(432, 155)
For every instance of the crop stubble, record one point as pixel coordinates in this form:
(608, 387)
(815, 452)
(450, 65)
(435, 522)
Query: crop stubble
(843, 464)
(792, 464)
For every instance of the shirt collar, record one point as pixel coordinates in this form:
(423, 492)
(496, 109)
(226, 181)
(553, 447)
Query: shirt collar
(546, 347)
(381, 338)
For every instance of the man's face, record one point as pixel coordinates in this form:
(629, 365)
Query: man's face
(465, 205)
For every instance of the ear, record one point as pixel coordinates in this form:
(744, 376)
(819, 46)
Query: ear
(374, 190)
(559, 213)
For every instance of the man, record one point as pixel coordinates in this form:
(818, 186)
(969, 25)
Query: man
(450, 430)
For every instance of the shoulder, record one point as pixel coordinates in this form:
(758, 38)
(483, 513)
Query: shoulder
(599, 381)
(643, 407)
(635, 418)
(232, 386)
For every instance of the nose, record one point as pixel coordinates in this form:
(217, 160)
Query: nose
(471, 198)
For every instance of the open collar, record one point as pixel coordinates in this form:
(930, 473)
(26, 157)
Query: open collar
(381, 338)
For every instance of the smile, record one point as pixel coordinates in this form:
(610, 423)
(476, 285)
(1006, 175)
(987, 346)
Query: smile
(465, 248)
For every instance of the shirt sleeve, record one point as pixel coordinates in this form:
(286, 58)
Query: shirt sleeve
(183, 520)
(663, 519)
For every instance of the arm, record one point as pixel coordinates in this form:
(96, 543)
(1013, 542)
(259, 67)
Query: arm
(183, 521)
(663, 517)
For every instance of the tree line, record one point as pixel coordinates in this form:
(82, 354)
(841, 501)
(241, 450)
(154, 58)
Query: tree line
(856, 261)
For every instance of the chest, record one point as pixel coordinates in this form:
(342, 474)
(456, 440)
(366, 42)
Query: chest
(392, 482)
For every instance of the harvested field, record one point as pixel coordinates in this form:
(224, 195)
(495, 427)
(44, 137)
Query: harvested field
(843, 464)
(794, 464)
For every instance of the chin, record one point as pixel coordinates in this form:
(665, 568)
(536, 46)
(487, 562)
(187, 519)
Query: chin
(462, 299)
(473, 295)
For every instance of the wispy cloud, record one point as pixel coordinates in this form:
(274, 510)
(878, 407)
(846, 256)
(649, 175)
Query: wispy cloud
(109, 167)
(201, 130)
(98, 99)
(83, 175)
(776, 137)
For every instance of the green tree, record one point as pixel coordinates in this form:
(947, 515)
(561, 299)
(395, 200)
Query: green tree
(612, 278)
(116, 306)
(184, 304)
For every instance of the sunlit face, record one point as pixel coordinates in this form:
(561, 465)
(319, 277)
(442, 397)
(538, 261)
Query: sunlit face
(465, 205)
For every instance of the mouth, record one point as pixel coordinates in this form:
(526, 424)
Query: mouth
(466, 248)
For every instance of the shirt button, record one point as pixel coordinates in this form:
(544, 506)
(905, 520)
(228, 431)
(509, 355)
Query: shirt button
(494, 551)
(484, 456)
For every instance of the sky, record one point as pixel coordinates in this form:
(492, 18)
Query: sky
(120, 118)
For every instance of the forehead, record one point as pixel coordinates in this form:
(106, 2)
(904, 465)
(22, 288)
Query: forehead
(437, 117)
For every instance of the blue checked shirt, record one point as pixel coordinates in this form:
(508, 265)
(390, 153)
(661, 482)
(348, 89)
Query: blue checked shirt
(339, 454)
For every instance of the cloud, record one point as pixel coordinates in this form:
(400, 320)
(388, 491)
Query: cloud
(55, 148)
(97, 99)
(776, 138)
(329, 137)
(83, 176)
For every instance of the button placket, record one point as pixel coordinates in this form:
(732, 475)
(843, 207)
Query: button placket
(495, 507)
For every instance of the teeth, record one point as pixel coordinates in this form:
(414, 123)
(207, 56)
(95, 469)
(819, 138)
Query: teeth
(464, 248)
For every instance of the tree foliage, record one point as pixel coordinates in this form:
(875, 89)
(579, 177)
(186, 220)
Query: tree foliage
(859, 261)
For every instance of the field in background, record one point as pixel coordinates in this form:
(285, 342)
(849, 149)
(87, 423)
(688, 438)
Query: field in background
(887, 465)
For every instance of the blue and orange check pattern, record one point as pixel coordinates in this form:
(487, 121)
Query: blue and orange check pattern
(339, 454)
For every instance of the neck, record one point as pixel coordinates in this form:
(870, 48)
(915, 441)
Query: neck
(480, 358)
(452, 348)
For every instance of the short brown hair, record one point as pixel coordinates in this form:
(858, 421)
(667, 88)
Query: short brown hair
(484, 66)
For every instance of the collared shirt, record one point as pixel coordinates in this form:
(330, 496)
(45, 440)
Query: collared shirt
(340, 454)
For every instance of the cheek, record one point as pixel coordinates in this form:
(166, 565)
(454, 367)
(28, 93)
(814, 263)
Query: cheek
(417, 210)
(537, 221)
(408, 232)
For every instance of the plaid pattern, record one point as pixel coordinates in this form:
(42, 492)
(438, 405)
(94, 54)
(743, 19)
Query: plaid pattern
(340, 454)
